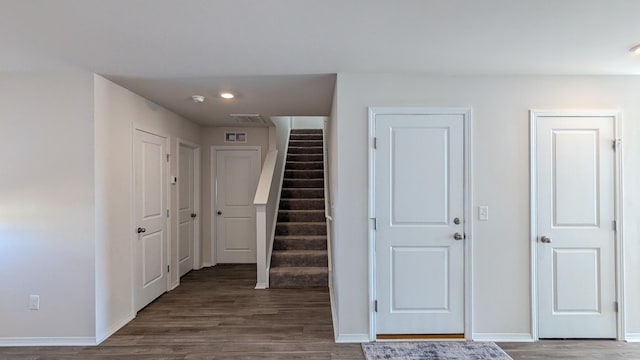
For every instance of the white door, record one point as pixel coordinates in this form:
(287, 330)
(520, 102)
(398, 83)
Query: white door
(419, 207)
(575, 219)
(237, 173)
(150, 164)
(186, 208)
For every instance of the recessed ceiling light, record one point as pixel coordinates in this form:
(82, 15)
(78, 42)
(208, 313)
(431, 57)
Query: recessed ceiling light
(635, 49)
(198, 99)
(227, 95)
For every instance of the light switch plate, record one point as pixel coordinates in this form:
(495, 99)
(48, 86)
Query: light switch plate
(483, 213)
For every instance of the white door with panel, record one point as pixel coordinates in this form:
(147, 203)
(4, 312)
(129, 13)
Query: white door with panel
(576, 240)
(237, 173)
(150, 177)
(419, 236)
(186, 208)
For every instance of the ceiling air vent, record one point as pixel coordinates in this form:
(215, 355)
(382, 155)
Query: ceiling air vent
(248, 119)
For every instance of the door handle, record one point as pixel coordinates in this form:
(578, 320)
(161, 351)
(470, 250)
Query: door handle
(219, 212)
(545, 239)
(193, 215)
(458, 236)
(141, 230)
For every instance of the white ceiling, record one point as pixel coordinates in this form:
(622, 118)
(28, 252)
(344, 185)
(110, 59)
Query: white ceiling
(280, 56)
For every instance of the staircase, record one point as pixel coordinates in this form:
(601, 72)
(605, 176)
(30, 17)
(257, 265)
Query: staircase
(299, 257)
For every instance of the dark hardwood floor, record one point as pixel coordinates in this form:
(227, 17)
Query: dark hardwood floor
(216, 314)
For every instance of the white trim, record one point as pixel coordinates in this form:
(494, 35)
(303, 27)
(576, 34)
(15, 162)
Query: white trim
(197, 261)
(352, 338)
(214, 187)
(48, 341)
(632, 337)
(115, 327)
(616, 115)
(502, 337)
(468, 206)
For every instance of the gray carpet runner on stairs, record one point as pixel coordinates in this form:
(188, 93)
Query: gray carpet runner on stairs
(299, 257)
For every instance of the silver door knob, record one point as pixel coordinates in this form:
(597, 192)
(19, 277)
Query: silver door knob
(545, 239)
(458, 236)
(141, 230)
(219, 212)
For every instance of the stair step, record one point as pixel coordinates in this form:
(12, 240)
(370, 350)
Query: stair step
(304, 157)
(301, 228)
(305, 137)
(306, 131)
(303, 183)
(298, 277)
(298, 258)
(302, 193)
(305, 143)
(304, 165)
(305, 149)
(301, 216)
(302, 204)
(304, 174)
(300, 242)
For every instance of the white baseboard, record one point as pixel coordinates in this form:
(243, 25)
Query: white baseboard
(632, 337)
(261, 286)
(207, 264)
(502, 337)
(334, 312)
(174, 285)
(115, 327)
(48, 341)
(352, 338)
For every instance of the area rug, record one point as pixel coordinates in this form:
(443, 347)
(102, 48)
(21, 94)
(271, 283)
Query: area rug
(441, 350)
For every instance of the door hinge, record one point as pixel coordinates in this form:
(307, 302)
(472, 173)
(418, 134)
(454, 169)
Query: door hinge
(168, 156)
(615, 306)
(375, 223)
(375, 305)
(375, 142)
(168, 268)
(615, 225)
(167, 213)
(616, 143)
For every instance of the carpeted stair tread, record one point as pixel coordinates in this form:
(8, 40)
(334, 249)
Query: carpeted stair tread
(302, 193)
(295, 258)
(303, 174)
(302, 204)
(304, 165)
(300, 242)
(306, 131)
(301, 216)
(298, 277)
(305, 137)
(305, 143)
(305, 149)
(303, 183)
(304, 157)
(301, 228)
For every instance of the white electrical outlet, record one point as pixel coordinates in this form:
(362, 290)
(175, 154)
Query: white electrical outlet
(483, 213)
(34, 302)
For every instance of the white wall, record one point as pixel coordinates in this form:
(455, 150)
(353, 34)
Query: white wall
(501, 181)
(307, 122)
(215, 136)
(117, 112)
(46, 207)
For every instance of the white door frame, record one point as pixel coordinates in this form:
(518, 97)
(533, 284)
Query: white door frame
(197, 261)
(468, 203)
(619, 252)
(214, 188)
(167, 193)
